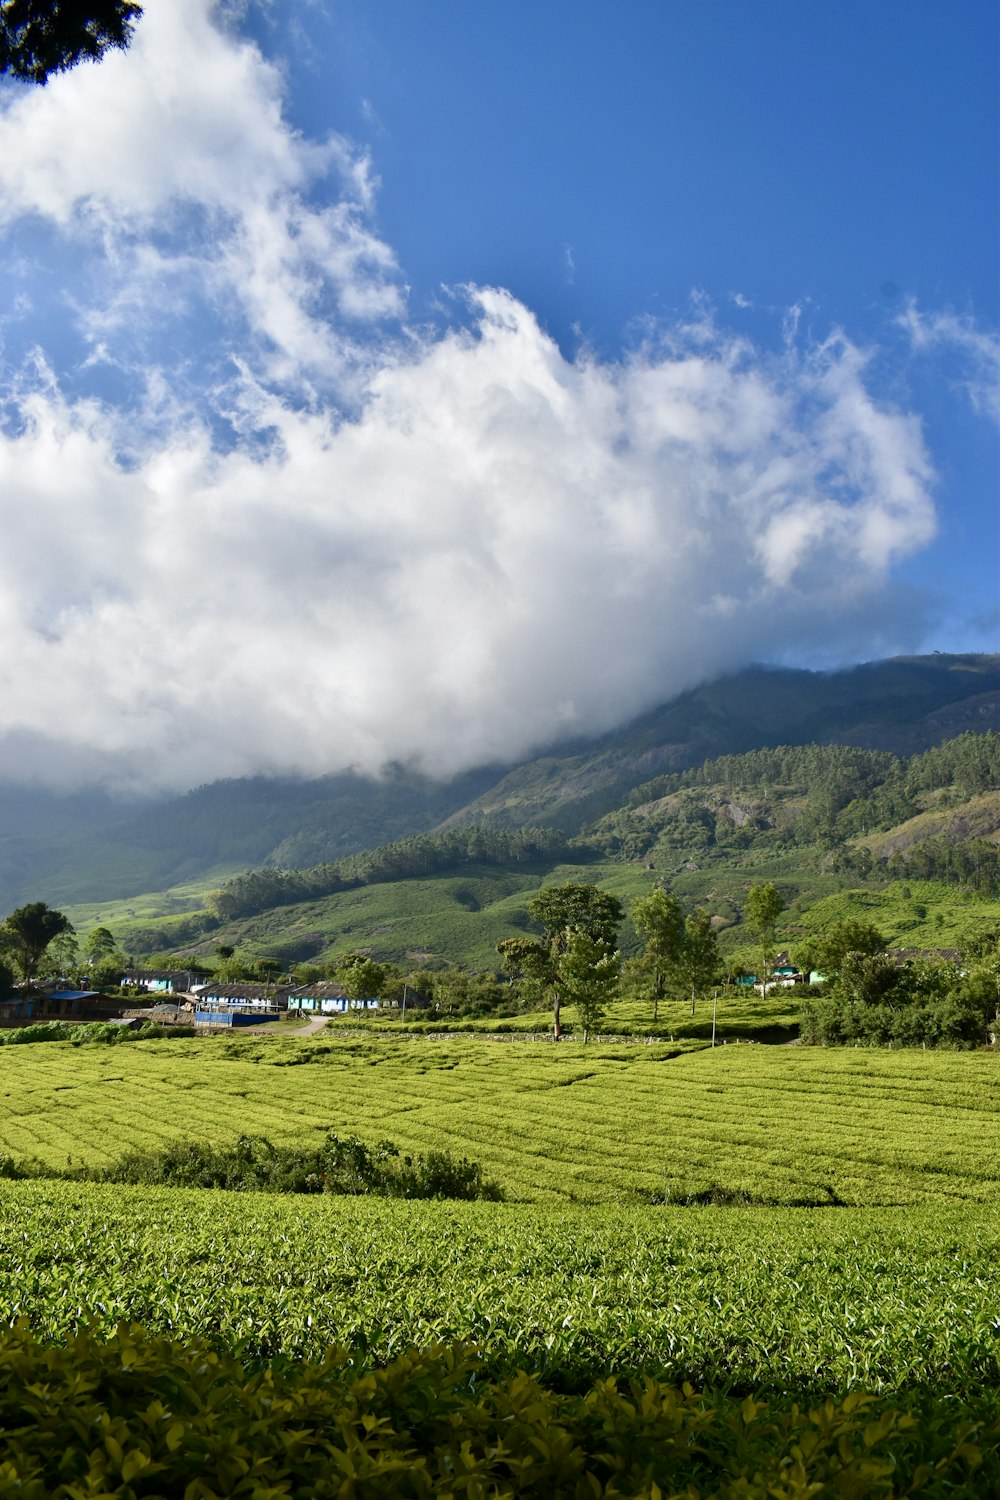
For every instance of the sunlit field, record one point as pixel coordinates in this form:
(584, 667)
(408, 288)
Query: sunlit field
(591, 1124)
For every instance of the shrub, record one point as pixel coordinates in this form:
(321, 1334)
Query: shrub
(344, 1165)
(140, 1415)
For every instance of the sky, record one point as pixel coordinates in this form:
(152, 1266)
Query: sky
(429, 382)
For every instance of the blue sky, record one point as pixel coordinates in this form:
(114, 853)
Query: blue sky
(403, 380)
(605, 161)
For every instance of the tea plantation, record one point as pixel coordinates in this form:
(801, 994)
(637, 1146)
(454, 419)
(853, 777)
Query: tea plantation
(266, 1343)
(575, 1123)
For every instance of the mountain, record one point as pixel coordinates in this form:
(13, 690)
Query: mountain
(106, 850)
(87, 847)
(917, 837)
(902, 705)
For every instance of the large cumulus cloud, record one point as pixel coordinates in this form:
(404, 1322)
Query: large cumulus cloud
(341, 539)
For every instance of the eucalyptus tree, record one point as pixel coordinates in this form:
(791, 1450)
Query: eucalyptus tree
(561, 910)
(588, 977)
(761, 910)
(659, 921)
(700, 964)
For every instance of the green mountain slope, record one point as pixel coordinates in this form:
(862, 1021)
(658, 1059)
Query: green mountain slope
(218, 829)
(903, 705)
(92, 849)
(819, 821)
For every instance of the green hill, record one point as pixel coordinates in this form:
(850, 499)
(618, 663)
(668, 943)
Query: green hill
(919, 838)
(90, 848)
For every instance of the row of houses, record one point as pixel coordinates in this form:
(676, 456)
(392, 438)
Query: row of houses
(54, 1002)
(209, 1000)
(179, 996)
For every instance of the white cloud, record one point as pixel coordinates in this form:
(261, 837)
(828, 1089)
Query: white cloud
(174, 161)
(446, 547)
(504, 546)
(977, 349)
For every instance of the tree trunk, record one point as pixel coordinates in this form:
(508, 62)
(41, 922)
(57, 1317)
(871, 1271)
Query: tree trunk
(555, 1016)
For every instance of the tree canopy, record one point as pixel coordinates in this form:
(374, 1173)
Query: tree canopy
(659, 920)
(28, 931)
(42, 37)
(576, 957)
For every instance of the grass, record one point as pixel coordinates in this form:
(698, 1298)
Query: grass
(741, 1015)
(147, 907)
(595, 1124)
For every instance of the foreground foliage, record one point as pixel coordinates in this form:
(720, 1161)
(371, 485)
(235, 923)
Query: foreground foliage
(87, 1032)
(146, 1416)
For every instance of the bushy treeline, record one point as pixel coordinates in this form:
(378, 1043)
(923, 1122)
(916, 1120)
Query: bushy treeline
(804, 794)
(343, 1165)
(949, 1021)
(974, 863)
(970, 763)
(423, 854)
(873, 999)
(789, 766)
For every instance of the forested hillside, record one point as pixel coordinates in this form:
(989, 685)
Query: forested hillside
(934, 816)
(90, 847)
(819, 820)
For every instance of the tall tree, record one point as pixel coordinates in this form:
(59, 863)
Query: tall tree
(564, 908)
(659, 920)
(42, 37)
(828, 951)
(763, 907)
(61, 958)
(530, 968)
(98, 944)
(28, 931)
(588, 977)
(699, 962)
(362, 977)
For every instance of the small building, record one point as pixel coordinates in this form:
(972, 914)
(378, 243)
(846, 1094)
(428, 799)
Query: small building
(164, 1013)
(30, 1004)
(162, 981)
(233, 1016)
(326, 999)
(260, 997)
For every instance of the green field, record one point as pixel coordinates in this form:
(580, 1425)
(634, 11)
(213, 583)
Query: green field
(746, 1299)
(461, 918)
(553, 1124)
(848, 1244)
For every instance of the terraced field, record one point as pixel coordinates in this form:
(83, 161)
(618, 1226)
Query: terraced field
(598, 1124)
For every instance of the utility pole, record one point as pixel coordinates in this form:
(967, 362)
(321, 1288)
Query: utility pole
(715, 1001)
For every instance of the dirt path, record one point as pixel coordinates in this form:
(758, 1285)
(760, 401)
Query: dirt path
(311, 1027)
